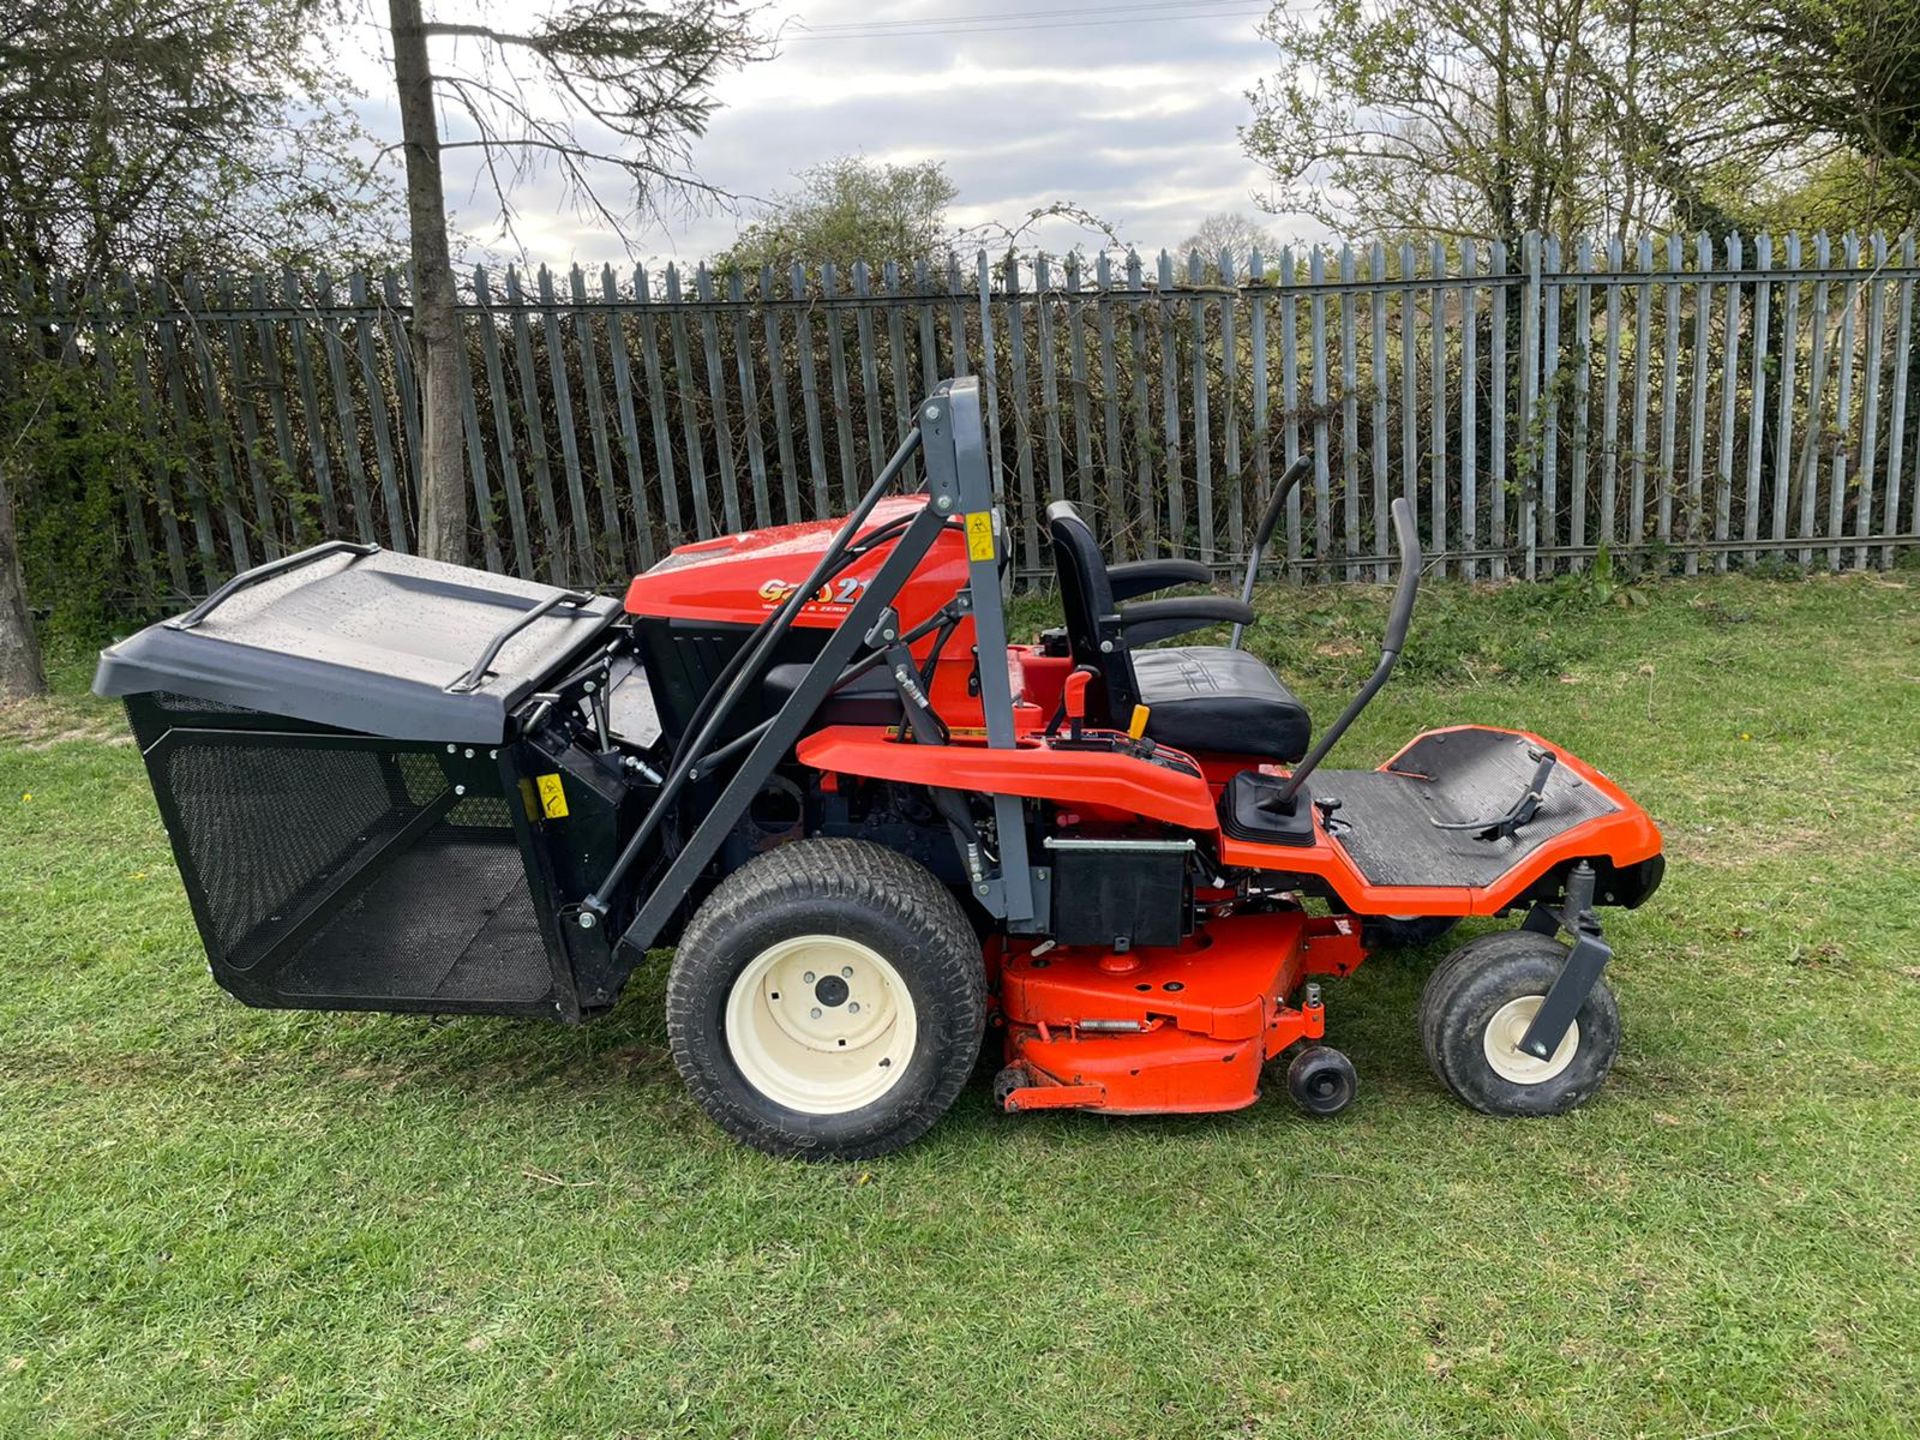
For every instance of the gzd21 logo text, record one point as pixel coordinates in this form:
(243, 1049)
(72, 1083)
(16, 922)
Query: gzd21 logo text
(841, 592)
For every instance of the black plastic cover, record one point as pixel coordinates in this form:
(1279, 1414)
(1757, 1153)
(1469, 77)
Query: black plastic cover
(365, 642)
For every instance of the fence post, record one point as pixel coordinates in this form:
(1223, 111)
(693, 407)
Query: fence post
(1083, 478)
(629, 423)
(150, 427)
(1149, 509)
(1897, 432)
(1049, 382)
(830, 317)
(377, 415)
(1870, 406)
(1437, 407)
(657, 409)
(729, 474)
(1529, 402)
(896, 353)
(750, 398)
(1124, 540)
(1757, 407)
(1469, 408)
(612, 546)
(1548, 507)
(1582, 402)
(1843, 404)
(1729, 385)
(869, 368)
(1642, 375)
(1258, 361)
(1022, 416)
(1322, 476)
(530, 409)
(1290, 402)
(1350, 420)
(810, 392)
(502, 424)
(274, 380)
(1808, 467)
(221, 431)
(1382, 480)
(1669, 401)
(990, 375)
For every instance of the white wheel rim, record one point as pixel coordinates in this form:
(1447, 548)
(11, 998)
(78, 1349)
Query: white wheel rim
(1502, 1044)
(821, 1024)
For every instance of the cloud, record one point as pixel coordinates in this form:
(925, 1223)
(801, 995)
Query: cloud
(1135, 121)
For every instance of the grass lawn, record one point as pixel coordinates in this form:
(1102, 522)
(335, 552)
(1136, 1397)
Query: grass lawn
(227, 1222)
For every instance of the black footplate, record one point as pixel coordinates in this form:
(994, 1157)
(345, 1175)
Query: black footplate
(1432, 817)
(1457, 808)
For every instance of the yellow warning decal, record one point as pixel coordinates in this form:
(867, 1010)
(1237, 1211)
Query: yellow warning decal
(527, 801)
(980, 535)
(553, 797)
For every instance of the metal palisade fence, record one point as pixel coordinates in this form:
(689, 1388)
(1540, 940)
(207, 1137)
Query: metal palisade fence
(1683, 405)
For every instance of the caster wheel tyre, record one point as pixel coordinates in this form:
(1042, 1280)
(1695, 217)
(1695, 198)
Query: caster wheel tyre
(1477, 1006)
(1321, 1080)
(1009, 1079)
(1404, 932)
(827, 1000)
(1458, 964)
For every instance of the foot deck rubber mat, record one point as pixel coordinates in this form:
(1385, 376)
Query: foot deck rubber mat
(1386, 817)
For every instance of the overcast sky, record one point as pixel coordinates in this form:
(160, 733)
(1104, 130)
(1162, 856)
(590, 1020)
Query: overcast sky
(1129, 109)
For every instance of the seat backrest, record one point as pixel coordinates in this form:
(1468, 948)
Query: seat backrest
(1087, 598)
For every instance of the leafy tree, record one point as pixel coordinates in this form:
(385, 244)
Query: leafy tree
(153, 135)
(169, 134)
(850, 209)
(1238, 235)
(1848, 72)
(1495, 117)
(634, 89)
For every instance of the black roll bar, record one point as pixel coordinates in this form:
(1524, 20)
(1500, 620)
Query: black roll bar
(1397, 621)
(1271, 519)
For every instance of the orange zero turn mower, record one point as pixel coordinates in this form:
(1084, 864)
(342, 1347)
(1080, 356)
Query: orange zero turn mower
(879, 835)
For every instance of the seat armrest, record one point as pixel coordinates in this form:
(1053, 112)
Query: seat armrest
(1143, 577)
(1156, 620)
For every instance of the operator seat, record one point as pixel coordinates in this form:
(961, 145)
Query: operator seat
(1205, 698)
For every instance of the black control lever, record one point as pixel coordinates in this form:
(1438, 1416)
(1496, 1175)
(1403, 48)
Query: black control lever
(1519, 813)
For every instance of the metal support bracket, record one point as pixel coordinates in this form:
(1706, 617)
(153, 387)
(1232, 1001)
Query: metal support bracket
(1583, 966)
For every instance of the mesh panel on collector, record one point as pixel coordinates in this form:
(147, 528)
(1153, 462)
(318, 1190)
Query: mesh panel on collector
(331, 869)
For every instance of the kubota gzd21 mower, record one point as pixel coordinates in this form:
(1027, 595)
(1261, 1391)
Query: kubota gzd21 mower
(876, 831)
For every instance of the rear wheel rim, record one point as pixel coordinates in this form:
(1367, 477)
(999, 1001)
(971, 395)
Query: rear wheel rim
(1501, 1044)
(821, 1024)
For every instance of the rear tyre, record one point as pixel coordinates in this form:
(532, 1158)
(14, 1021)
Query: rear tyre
(827, 1000)
(1476, 1008)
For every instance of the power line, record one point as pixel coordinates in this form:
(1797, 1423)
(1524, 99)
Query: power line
(991, 16)
(1205, 10)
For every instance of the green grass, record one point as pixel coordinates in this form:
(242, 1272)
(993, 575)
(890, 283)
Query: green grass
(218, 1221)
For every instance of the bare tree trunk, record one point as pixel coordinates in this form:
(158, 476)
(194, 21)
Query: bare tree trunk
(436, 330)
(20, 672)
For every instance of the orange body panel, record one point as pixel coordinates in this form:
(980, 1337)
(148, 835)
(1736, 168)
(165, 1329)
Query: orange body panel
(1033, 769)
(1121, 782)
(1204, 1015)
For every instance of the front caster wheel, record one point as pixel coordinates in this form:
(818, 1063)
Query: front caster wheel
(1478, 1004)
(1321, 1080)
(827, 1000)
(1009, 1079)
